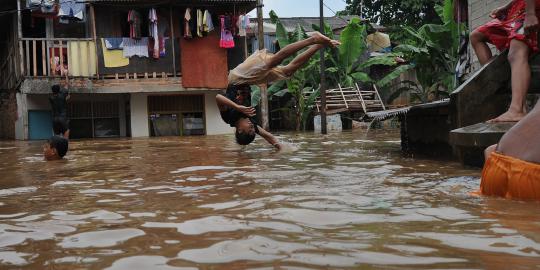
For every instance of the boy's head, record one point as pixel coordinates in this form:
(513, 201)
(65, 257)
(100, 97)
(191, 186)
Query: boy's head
(55, 89)
(245, 131)
(55, 148)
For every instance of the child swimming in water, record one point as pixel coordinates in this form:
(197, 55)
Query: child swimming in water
(55, 148)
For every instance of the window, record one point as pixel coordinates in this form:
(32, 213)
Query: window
(94, 119)
(178, 115)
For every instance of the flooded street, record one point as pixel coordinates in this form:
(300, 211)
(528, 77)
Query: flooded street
(344, 201)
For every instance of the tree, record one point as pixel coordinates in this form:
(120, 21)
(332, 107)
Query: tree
(390, 13)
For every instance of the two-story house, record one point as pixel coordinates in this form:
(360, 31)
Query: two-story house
(121, 83)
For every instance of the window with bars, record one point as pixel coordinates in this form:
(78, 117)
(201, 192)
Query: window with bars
(176, 115)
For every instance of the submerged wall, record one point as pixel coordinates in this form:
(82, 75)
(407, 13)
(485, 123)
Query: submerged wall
(8, 115)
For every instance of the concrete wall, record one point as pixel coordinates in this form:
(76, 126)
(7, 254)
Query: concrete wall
(21, 124)
(28, 102)
(479, 11)
(8, 115)
(214, 123)
(139, 115)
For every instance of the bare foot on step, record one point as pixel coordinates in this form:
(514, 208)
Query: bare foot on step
(508, 116)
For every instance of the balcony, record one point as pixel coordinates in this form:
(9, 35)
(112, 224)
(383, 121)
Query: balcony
(82, 58)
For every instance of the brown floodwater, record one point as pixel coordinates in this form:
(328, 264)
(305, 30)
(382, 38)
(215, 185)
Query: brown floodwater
(341, 201)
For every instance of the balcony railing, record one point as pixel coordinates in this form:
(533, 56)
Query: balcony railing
(83, 58)
(56, 57)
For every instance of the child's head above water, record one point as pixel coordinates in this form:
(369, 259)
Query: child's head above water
(245, 131)
(55, 148)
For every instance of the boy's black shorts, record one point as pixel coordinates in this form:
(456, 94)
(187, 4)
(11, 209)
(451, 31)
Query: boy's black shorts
(60, 125)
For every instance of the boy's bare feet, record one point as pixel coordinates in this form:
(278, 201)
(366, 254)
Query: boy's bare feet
(319, 38)
(334, 43)
(322, 39)
(509, 116)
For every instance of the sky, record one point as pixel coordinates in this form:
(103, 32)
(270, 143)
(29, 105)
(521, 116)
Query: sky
(300, 8)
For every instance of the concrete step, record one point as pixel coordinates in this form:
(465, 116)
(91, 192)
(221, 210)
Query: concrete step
(470, 142)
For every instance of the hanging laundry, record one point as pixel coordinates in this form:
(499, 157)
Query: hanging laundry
(114, 43)
(82, 58)
(161, 47)
(43, 9)
(208, 24)
(153, 23)
(247, 22)
(153, 32)
(199, 23)
(33, 4)
(227, 39)
(134, 20)
(49, 6)
(71, 10)
(113, 58)
(240, 25)
(135, 47)
(187, 21)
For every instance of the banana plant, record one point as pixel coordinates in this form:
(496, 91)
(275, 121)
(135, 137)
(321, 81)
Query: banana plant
(433, 50)
(298, 83)
(346, 65)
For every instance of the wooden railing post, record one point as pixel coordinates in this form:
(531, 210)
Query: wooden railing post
(43, 58)
(34, 57)
(27, 56)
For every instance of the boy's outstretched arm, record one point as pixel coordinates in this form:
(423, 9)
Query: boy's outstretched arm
(224, 103)
(269, 138)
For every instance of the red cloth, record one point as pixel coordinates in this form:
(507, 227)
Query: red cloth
(501, 31)
(204, 63)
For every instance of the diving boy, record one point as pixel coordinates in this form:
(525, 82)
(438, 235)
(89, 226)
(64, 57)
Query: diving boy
(262, 67)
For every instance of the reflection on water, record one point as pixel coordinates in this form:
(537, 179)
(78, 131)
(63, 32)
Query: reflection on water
(346, 200)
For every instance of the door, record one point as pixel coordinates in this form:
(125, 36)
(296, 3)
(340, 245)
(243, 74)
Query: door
(39, 125)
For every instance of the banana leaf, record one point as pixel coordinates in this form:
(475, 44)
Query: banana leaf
(361, 76)
(394, 74)
(353, 44)
(281, 34)
(255, 95)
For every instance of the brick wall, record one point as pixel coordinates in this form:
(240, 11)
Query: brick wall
(479, 11)
(8, 114)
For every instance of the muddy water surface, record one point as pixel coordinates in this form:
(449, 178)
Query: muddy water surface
(344, 201)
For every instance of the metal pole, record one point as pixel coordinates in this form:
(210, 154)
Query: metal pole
(323, 75)
(19, 37)
(264, 93)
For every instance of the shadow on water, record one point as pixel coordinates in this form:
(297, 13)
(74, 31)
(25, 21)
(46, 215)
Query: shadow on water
(343, 200)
